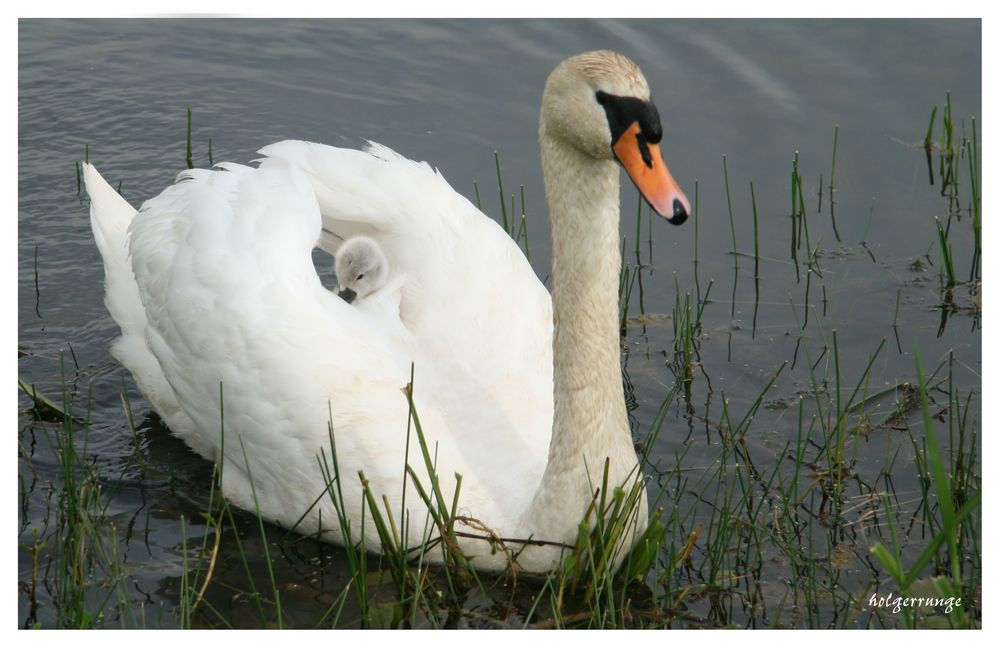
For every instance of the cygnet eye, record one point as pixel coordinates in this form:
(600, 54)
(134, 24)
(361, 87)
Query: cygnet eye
(360, 277)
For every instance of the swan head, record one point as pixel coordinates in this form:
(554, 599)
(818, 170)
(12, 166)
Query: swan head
(599, 104)
(361, 268)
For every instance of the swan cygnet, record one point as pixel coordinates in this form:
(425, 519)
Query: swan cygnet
(361, 268)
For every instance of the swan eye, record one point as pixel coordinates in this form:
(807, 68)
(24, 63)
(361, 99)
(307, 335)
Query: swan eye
(622, 112)
(360, 277)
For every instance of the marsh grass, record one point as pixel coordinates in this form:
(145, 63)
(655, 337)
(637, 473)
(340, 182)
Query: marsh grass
(79, 169)
(951, 147)
(951, 520)
(189, 155)
(77, 563)
(756, 261)
(515, 226)
(732, 229)
(833, 187)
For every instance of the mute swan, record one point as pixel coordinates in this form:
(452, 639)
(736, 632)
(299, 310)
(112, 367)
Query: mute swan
(215, 292)
(361, 268)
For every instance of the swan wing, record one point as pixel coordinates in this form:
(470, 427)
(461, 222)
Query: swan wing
(471, 295)
(270, 365)
(223, 268)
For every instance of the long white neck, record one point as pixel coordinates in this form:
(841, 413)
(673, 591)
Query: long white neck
(590, 422)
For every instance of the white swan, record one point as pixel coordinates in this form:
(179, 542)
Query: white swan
(221, 296)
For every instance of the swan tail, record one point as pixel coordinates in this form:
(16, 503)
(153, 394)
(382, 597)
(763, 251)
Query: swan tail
(110, 218)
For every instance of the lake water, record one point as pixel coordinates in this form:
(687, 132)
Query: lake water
(452, 93)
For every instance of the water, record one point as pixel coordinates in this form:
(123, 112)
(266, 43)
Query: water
(452, 92)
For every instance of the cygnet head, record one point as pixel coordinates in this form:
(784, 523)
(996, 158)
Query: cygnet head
(361, 268)
(598, 103)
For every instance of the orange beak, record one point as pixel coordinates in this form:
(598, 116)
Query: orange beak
(649, 172)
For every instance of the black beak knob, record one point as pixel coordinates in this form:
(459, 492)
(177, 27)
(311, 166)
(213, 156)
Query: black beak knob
(680, 214)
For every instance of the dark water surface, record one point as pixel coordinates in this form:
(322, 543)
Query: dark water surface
(452, 92)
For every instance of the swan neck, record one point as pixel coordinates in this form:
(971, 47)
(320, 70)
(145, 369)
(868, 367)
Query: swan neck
(590, 424)
(586, 261)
